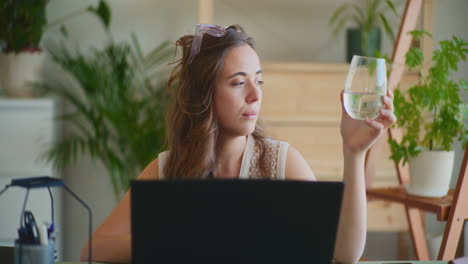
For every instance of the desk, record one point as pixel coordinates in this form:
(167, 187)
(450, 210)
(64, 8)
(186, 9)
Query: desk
(360, 262)
(403, 262)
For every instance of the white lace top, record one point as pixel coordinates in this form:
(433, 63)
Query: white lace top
(275, 156)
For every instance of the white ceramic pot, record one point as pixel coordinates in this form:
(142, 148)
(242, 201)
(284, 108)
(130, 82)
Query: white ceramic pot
(430, 173)
(17, 71)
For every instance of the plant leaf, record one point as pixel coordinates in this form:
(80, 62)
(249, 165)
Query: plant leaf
(371, 13)
(102, 12)
(119, 109)
(387, 27)
(341, 23)
(64, 31)
(414, 58)
(362, 16)
(338, 12)
(392, 6)
(417, 34)
(432, 112)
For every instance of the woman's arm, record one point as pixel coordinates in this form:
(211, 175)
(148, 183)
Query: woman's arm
(358, 137)
(112, 240)
(352, 227)
(372, 159)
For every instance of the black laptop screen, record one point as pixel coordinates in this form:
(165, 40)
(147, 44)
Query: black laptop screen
(234, 221)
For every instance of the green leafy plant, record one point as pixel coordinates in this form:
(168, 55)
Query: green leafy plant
(118, 97)
(23, 23)
(374, 15)
(431, 112)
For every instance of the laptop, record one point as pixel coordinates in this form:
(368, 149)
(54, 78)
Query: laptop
(234, 221)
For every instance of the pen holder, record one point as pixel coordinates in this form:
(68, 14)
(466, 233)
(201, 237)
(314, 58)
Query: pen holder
(35, 253)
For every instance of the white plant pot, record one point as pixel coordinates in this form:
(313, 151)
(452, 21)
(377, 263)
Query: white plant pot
(17, 71)
(430, 173)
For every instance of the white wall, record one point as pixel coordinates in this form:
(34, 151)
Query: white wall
(284, 30)
(292, 30)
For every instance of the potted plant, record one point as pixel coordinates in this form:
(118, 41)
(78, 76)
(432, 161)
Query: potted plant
(365, 38)
(22, 25)
(431, 114)
(118, 96)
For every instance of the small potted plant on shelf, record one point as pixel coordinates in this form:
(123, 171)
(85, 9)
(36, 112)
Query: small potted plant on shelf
(431, 114)
(365, 38)
(22, 25)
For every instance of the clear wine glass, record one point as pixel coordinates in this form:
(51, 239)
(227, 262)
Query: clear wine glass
(366, 84)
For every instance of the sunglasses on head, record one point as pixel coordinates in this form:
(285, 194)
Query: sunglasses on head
(213, 30)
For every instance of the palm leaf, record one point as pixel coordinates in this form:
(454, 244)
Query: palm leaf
(118, 112)
(371, 14)
(137, 46)
(392, 7)
(161, 53)
(75, 119)
(338, 12)
(137, 59)
(341, 23)
(63, 92)
(357, 20)
(364, 42)
(362, 16)
(66, 151)
(387, 27)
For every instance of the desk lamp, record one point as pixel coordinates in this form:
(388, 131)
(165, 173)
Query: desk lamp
(29, 233)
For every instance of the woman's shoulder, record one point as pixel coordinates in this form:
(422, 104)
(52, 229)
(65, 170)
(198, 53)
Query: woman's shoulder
(152, 170)
(296, 167)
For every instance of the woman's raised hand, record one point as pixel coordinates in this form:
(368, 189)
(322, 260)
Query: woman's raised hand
(360, 135)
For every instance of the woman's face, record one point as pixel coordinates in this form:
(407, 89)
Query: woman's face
(238, 92)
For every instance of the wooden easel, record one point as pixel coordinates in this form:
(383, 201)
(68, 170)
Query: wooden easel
(452, 208)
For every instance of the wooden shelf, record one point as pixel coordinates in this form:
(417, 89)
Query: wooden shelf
(440, 206)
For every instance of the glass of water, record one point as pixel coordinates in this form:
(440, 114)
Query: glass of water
(366, 85)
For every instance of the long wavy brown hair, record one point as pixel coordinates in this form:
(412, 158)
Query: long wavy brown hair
(192, 128)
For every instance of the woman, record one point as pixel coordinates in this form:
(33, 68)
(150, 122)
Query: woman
(213, 133)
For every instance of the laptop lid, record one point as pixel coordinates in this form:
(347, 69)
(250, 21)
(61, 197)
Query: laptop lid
(234, 221)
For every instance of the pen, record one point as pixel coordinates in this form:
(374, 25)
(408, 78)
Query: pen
(51, 229)
(43, 236)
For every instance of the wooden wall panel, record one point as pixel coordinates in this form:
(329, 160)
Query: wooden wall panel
(303, 95)
(306, 92)
(301, 106)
